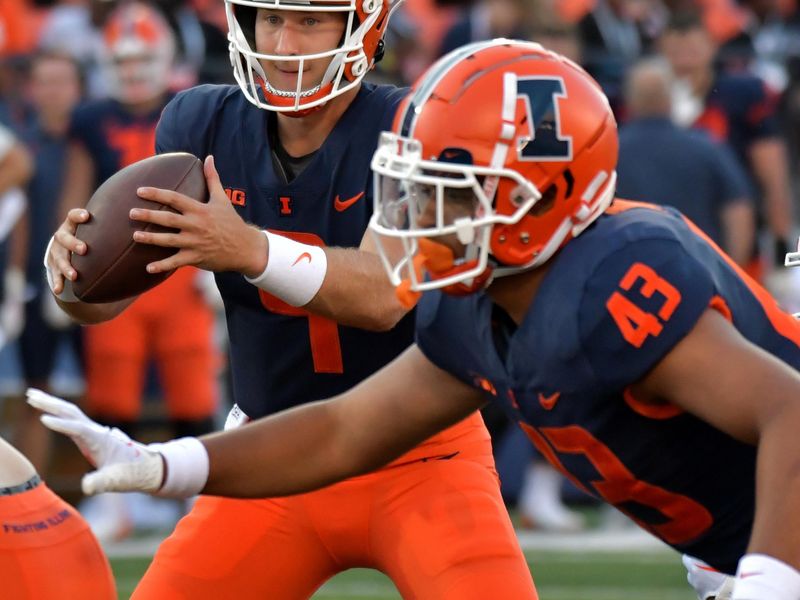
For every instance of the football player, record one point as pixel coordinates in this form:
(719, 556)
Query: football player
(106, 135)
(47, 550)
(299, 171)
(639, 359)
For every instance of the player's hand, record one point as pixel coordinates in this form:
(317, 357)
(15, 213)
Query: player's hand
(122, 464)
(64, 243)
(708, 583)
(211, 235)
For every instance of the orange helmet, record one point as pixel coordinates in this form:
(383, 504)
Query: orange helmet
(504, 146)
(360, 48)
(138, 52)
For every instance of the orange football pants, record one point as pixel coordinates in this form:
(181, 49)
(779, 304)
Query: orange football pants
(433, 521)
(170, 323)
(48, 552)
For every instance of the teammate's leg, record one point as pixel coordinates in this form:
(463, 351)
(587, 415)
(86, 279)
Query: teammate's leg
(243, 549)
(442, 531)
(46, 549)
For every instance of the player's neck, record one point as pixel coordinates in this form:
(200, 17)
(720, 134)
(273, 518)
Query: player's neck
(301, 136)
(515, 293)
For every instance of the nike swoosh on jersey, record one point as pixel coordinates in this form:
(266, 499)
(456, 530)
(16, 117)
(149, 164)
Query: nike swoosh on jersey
(548, 402)
(342, 205)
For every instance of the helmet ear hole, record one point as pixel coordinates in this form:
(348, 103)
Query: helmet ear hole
(546, 202)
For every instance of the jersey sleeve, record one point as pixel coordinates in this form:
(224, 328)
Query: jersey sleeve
(187, 123)
(637, 305)
(170, 135)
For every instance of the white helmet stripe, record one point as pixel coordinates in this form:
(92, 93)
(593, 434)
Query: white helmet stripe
(435, 74)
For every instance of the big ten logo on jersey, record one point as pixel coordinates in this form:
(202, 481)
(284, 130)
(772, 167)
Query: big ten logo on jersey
(132, 142)
(639, 284)
(323, 334)
(236, 196)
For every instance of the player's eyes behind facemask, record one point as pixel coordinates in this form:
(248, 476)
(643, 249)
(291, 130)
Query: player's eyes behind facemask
(430, 198)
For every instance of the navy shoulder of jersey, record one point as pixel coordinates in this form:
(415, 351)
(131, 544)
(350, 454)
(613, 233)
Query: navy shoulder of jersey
(615, 301)
(188, 120)
(628, 291)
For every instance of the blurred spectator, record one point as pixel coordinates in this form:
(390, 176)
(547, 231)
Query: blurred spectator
(74, 27)
(614, 34)
(738, 109)
(665, 164)
(485, 20)
(55, 89)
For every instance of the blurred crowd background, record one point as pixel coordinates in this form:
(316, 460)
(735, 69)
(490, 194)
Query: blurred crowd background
(706, 92)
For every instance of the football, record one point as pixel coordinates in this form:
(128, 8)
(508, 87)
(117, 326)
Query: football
(114, 266)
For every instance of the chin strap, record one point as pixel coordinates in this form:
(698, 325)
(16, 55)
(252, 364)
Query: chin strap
(439, 262)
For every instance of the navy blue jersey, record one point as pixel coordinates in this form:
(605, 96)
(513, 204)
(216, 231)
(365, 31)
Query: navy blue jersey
(113, 137)
(280, 355)
(614, 302)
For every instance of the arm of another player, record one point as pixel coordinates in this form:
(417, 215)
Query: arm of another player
(299, 450)
(344, 284)
(79, 180)
(718, 375)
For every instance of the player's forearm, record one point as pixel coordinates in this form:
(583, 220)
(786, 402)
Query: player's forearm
(357, 291)
(776, 530)
(289, 453)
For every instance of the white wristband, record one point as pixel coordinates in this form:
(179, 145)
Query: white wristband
(67, 293)
(761, 577)
(294, 271)
(186, 460)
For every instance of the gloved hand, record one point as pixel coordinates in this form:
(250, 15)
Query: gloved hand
(122, 464)
(175, 469)
(708, 583)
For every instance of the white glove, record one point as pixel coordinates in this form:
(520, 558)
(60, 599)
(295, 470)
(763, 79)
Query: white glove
(12, 310)
(176, 469)
(708, 583)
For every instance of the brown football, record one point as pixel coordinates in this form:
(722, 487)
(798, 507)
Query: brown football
(114, 266)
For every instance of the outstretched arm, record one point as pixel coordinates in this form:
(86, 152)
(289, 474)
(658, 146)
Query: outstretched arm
(721, 377)
(295, 451)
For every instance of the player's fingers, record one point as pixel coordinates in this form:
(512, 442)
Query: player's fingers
(179, 259)
(69, 427)
(52, 405)
(68, 243)
(176, 200)
(215, 189)
(167, 218)
(76, 216)
(166, 240)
